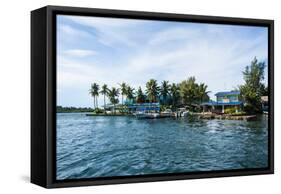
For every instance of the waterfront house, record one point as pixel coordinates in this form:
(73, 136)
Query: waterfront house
(144, 107)
(229, 99)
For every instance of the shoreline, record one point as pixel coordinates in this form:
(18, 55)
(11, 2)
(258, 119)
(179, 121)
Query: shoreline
(228, 117)
(102, 114)
(199, 115)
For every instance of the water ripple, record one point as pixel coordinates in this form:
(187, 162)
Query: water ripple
(119, 146)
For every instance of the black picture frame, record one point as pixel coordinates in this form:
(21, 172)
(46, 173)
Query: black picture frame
(43, 95)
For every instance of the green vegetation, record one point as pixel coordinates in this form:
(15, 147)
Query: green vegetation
(98, 111)
(187, 93)
(104, 91)
(113, 96)
(94, 92)
(165, 107)
(140, 98)
(175, 94)
(123, 88)
(230, 110)
(130, 93)
(164, 91)
(152, 90)
(239, 113)
(61, 109)
(192, 92)
(253, 88)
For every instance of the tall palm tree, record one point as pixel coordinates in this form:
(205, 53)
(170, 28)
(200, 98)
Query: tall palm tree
(175, 94)
(140, 97)
(94, 92)
(202, 92)
(123, 88)
(113, 96)
(152, 90)
(104, 91)
(130, 93)
(164, 90)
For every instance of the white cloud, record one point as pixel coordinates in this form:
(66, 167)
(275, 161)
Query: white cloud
(214, 54)
(111, 31)
(212, 61)
(79, 53)
(71, 31)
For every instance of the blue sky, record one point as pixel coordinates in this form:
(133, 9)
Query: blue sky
(110, 51)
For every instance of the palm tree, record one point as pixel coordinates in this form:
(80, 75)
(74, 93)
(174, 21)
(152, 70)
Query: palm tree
(140, 96)
(175, 94)
(202, 92)
(188, 90)
(94, 92)
(104, 91)
(152, 90)
(113, 96)
(164, 90)
(130, 93)
(123, 88)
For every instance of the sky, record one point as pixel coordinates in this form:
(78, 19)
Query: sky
(111, 51)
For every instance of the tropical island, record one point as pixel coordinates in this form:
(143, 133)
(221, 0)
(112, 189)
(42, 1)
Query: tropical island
(187, 97)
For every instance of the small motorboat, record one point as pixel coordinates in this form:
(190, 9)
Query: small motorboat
(140, 114)
(146, 115)
(185, 114)
(167, 113)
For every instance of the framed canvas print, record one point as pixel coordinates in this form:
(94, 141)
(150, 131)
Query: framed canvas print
(125, 96)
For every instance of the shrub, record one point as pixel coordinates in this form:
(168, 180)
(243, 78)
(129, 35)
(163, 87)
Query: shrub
(230, 110)
(98, 110)
(124, 109)
(164, 107)
(239, 114)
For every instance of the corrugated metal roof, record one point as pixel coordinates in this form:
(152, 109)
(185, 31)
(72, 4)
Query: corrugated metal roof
(221, 103)
(227, 93)
(144, 105)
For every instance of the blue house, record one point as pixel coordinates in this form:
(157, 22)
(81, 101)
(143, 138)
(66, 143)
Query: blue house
(224, 100)
(154, 107)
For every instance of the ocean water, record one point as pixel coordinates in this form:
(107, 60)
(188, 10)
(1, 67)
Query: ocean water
(90, 147)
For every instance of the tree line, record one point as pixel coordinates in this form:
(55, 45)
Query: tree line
(61, 109)
(186, 92)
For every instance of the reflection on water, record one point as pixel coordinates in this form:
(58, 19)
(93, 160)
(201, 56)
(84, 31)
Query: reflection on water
(90, 147)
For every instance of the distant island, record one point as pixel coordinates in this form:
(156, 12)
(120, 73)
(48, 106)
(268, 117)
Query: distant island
(61, 109)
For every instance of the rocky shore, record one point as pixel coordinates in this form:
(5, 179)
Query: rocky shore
(228, 117)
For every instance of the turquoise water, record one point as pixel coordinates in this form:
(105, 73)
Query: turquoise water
(89, 147)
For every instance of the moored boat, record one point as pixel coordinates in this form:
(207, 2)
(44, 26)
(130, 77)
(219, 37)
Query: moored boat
(147, 115)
